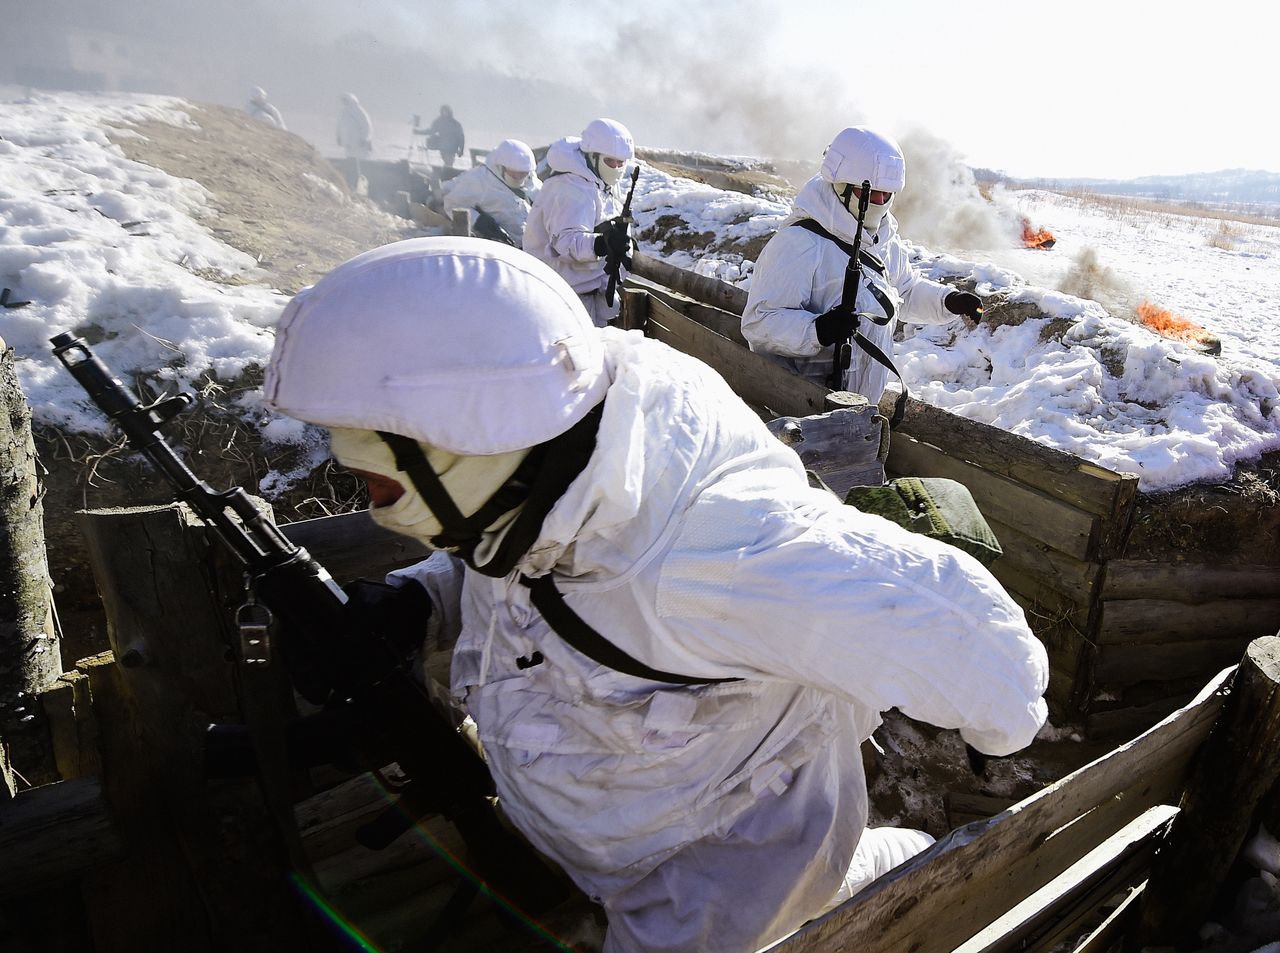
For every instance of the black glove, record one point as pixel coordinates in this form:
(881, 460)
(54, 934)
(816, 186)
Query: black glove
(835, 325)
(398, 614)
(613, 239)
(966, 304)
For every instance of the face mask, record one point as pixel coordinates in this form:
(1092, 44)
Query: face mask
(469, 481)
(875, 213)
(515, 179)
(608, 174)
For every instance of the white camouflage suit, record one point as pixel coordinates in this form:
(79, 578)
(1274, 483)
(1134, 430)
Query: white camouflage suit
(561, 227)
(718, 819)
(705, 819)
(800, 275)
(482, 189)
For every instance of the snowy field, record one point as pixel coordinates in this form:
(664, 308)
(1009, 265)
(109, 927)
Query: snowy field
(110, 247)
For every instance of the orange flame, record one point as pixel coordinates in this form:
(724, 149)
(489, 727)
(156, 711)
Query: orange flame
(1177, 328)
(1033, 237)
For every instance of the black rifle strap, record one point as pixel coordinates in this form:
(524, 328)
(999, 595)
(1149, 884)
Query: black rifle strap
(865, 257)
(539, 480)
(571, 627)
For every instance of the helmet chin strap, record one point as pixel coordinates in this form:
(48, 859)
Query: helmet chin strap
(539, 481)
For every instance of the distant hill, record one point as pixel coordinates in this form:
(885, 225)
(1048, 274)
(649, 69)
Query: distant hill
(1236, 188)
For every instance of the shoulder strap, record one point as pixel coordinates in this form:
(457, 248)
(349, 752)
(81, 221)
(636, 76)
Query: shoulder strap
(571, 627)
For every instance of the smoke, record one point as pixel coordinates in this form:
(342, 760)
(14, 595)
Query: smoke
(1090, 278)
(941, 205)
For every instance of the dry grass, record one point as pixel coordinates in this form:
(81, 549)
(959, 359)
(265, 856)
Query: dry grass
(1133, 205)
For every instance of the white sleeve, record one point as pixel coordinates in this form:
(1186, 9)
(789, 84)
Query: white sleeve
(852, 604)
(922, 298)
(570, 218)
(776, 319)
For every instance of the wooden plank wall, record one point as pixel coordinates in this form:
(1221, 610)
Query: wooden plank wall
(1058, 517)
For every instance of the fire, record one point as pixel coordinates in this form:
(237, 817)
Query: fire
(1177, 328)
(1033, 237)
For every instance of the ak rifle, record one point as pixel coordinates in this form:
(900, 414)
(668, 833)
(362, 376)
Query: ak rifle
(614, 260)
(842, 353)
(340, 653)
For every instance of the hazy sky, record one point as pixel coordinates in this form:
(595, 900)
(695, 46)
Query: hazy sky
(1086, 88)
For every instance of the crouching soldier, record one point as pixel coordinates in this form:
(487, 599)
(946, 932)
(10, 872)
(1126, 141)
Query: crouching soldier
(671, 645)
(498, 194)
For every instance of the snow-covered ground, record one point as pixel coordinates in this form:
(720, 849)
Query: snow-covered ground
(94, 240)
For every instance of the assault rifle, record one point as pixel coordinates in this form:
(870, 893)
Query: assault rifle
(842, 355)
(344, 657)
(613, 261)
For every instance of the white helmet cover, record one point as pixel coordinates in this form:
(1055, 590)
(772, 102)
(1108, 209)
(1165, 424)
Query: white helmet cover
(609, 138)
(859, 154)
(465, 344)
(512, 154)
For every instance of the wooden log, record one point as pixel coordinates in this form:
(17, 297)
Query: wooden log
(460, 223)
(55, 832)
(1062, 475)
(352, 545)
(712, 291)
(756, 379)
(943, 896)
(30, 656)
(1239, 764)
(633, 310)
(1188, 583)
(1160, 621)
(206, 855)
(725, 323)
(1054, 523)
(1124, 664)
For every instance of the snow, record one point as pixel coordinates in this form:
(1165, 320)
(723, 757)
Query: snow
(116, 250)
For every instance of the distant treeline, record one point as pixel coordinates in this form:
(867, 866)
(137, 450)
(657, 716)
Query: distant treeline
(1233, 187)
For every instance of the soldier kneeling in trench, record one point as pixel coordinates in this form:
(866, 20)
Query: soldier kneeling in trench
(671, 645)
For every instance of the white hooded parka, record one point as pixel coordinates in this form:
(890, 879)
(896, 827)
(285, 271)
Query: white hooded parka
(719, 818)
(800, 275)
(561, 227)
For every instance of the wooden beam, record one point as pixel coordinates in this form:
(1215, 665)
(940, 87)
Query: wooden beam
(712, 291)
(1062, 475)
(725, 323)
(844, 447)
(945, 895)
(1240, 763)
(1188, 583)
(756, 379)
(1063, 908)
(1074, 578)
(1160, 621)
(1056, 524)
(1124, 664)
(55, 832)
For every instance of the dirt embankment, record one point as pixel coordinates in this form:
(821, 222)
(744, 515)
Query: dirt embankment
(274, 197)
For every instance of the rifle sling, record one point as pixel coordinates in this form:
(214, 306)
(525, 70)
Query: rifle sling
(876, 354)
(571, 627)
(540, 480)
